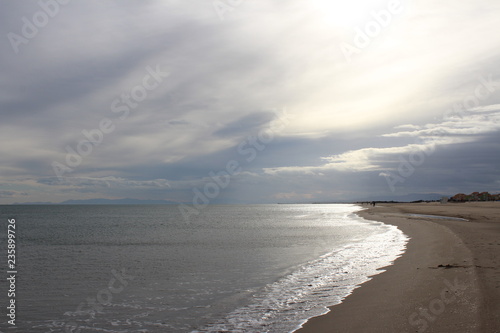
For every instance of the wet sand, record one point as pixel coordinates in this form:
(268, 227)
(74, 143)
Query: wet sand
(448, 280)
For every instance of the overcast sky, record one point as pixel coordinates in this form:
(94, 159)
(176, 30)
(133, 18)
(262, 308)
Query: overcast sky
(290, 101)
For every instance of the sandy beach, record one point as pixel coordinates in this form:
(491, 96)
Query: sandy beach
(448, 280)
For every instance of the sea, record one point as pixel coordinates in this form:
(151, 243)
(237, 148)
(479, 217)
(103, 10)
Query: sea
(145, 268)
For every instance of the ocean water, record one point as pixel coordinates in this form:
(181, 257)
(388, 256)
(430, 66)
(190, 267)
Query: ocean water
(254, 268)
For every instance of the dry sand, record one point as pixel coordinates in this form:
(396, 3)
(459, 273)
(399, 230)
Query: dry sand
(448, 280)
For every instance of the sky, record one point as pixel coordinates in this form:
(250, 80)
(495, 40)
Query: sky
(239, 101)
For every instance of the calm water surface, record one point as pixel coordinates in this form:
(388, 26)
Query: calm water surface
(256, 268)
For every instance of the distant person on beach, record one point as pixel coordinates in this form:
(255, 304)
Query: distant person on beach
(373, 203)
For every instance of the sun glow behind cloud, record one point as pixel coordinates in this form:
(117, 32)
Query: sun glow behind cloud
(341, 13)
(457, 129)
(265, 55)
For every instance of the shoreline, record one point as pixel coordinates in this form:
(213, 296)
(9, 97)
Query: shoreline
(448, 279)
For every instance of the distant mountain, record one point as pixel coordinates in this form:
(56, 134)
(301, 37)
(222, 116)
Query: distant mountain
(126, 201)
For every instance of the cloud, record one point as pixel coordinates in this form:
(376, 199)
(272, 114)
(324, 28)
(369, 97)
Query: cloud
(179, 122)
(348, 121)
(407, 126)
(245, 125)
(457, 130)
(467, 124)
(487, 108)
(12, 194)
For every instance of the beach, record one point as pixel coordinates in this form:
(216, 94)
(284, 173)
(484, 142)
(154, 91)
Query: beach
(448, 279)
